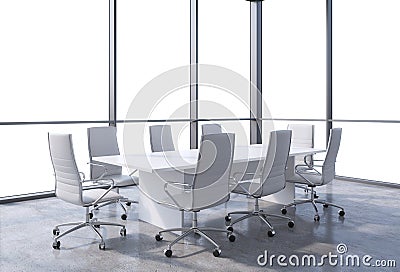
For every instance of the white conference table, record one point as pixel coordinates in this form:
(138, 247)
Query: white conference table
(157, 168)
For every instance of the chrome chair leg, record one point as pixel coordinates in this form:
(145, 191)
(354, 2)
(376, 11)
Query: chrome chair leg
(241, 219)
(276, 215)
(196, 230)
(98, 233)
(174, 229)
(102, 205)
(208, 238)
(81, 225)
(260, 214)
(327, 204)
(92, 223)
(128, 202)
(314, 202)
(240, 212)
(67, 224)
(180, 237)
(124, 215)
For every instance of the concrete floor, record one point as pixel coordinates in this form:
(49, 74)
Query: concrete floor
(371, 226)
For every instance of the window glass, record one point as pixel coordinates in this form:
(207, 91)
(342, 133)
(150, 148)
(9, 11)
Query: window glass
(54, 60)
(366, 59)
(224, 40)
(25, 156)
(153, 37)
(369, 151)
(294, 58)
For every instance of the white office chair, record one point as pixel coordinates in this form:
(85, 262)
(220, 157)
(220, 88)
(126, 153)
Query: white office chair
(102, 141)
(310, 176)
(161, 138)
(68, 187)
(210, 187)
(211, 129)
(303, 136)
(270, 180)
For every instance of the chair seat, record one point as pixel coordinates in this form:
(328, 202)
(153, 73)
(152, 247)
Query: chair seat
(247, 186)
(313, 177)
(89, 196)
(123, 180)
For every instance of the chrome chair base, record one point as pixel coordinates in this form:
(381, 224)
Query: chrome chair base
(124, 215)
(314, 202)
(260, 214)
(92, 223)
(306, 189)
(196, 230)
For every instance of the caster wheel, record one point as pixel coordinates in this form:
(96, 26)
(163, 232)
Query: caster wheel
(342, 213)
(168, 253)
(230, 228)
(228, 218)
(315, 195)
(316, 218)
(124, 216)
(271, 233)
(128, 203)
(90, 215)
(231, 237)
(283, 211)
(290, 224)
(122, 232)
(102, 246)
(56, 232)
(326, 205)
(96, 226)
(159, 237)
(216, 252)
(56, 245)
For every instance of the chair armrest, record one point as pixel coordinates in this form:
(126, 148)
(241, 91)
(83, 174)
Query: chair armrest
(308, 156)
(309, 170)
(102, 166)
(174, 185)
(234, 178)
(133, 172)
(106, 192)
(178, 183)
(244, 189)
(255, 176)
(82, 176)
(236, 181)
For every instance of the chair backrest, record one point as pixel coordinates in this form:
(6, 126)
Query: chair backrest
(211, 129)
(211, 179)
(68, 181)
(328, 167)
(273, 174)
(161, 138)
(302, 136)
(102, 141)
